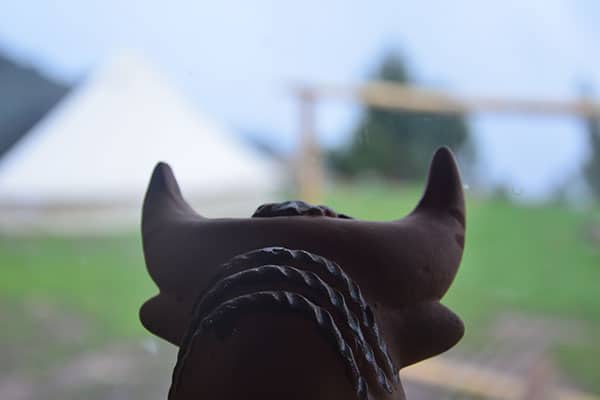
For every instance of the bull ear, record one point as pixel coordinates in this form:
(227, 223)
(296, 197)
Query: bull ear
(422, 331)
(444, 190)
(166, 317)
(163, 202)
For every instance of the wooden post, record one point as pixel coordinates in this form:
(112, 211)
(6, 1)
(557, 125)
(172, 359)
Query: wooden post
(308, 162)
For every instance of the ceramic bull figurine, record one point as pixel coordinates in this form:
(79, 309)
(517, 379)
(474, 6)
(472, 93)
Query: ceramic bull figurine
(298, 301)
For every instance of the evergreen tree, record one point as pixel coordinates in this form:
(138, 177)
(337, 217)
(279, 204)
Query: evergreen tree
(398, 144)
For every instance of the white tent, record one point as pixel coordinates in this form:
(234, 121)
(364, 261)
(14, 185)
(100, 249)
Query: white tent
(92, 155)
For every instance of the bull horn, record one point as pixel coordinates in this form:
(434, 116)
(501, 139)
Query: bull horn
(163, 202)
(164, 213)
(444, 190)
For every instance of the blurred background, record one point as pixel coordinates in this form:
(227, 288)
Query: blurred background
(334, 102)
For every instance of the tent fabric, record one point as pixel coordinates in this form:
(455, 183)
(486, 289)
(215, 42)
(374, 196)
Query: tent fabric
(99, 145)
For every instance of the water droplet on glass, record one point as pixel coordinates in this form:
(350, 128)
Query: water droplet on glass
(516, 191)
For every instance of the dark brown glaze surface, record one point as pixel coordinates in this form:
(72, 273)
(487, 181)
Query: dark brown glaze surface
(364, 289)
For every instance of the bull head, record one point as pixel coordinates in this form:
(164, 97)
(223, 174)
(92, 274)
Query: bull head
(299, 301)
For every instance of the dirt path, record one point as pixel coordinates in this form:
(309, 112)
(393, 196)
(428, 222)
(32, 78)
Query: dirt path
(45, 355)
(124, 371)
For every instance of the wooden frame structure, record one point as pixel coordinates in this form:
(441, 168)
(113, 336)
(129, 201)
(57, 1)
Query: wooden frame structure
(407, 98)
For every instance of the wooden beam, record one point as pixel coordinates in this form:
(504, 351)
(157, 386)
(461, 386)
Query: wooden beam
(410, 98)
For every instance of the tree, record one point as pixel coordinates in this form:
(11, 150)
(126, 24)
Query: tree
(592, 167)
(25, 97)
(398, 144)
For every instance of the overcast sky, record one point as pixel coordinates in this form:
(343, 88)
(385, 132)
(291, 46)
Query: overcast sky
(237, 60)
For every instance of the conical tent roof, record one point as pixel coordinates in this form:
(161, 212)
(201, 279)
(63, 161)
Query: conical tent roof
(100, 144)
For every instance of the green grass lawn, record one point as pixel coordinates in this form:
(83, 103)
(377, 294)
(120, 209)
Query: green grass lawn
(99, 277)
(530, 259)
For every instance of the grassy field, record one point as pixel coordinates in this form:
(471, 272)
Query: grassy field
(536, 261)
